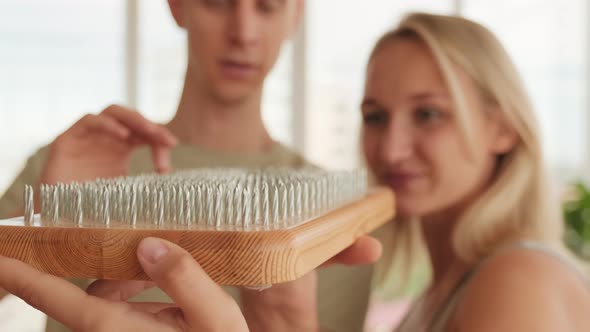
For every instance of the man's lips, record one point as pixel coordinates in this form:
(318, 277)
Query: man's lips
(238, 70)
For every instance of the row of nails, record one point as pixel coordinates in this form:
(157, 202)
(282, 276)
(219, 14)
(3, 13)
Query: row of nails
(216, 198)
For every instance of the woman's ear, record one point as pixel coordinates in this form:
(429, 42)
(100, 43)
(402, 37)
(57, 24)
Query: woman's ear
(505, 136)
(176, 10)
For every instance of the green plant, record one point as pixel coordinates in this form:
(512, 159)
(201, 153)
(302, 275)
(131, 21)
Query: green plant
(576, 212)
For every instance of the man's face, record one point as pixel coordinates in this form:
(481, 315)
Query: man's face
(233, 44)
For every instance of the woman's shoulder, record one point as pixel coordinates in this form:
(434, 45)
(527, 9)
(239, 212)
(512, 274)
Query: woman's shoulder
(523, 289)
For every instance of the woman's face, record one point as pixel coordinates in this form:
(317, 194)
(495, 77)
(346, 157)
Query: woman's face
(411, 135)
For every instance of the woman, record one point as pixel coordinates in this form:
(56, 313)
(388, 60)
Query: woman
(448, 126)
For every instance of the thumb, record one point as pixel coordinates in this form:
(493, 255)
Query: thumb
(205, 304)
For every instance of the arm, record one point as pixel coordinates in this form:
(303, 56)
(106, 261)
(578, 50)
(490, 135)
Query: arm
(523, 290)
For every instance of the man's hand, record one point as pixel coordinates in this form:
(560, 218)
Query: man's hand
(199, 303)
(292, 306)
(100, 146)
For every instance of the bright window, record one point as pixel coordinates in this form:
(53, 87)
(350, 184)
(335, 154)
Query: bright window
(548, 40)
(58, 60)
(339, 46)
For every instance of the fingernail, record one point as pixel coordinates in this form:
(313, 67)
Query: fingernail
(164, 166)
(152, 250)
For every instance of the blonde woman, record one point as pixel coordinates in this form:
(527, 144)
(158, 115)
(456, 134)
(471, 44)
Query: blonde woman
(447, 124)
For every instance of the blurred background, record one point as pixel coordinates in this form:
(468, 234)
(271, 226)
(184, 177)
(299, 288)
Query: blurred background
(61, 59)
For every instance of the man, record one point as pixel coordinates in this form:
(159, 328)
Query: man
(232, 46)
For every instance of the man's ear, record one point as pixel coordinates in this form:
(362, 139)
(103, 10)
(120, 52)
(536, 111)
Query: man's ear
(298, 17)
(176, 11)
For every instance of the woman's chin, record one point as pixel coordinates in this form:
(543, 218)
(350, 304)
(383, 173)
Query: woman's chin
(403, 211)
(414, 207)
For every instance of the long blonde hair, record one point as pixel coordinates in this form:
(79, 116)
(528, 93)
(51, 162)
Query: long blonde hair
(518, 203)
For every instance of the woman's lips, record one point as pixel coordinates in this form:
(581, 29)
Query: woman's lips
(400, 181)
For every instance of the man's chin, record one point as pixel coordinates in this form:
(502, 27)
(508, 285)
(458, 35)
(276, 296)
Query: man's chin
(236, 95)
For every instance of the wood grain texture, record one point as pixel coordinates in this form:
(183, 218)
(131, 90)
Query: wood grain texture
(245, 258)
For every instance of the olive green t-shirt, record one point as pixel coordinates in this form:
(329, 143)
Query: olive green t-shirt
(343, 292)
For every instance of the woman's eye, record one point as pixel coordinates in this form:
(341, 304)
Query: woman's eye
(426, 115)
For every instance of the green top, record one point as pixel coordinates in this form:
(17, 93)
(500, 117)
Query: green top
(343, 292)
